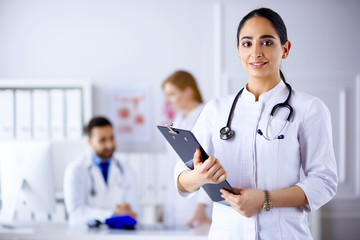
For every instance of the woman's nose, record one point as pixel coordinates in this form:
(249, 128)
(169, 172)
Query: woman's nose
(257, 51)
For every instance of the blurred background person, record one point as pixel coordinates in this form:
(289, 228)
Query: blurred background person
(182, 92)
(98, 185)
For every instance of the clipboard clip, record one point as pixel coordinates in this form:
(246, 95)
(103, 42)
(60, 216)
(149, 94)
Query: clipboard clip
(171, 129)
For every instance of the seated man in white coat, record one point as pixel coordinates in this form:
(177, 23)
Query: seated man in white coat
(98, 185)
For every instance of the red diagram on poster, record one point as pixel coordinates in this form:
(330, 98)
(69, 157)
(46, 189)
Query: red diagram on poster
(130, 114)
(124, 113)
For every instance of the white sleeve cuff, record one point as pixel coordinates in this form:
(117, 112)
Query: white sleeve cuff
(179, 168)
(306, 207)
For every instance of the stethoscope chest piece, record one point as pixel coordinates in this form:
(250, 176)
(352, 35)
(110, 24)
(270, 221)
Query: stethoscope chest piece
(226, 133)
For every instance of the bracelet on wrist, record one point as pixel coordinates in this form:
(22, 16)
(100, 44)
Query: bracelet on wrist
(267, 203)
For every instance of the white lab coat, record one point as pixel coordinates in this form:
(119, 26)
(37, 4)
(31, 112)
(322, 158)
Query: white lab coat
(178, 210)
(253, 162)
(81, 206)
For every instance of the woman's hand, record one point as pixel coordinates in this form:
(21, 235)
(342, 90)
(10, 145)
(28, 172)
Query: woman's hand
(209, 171)
(248, 201)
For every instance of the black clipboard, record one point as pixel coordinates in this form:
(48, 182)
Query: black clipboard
(185, 144)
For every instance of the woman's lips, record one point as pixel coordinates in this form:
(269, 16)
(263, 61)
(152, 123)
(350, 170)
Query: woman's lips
(258, 64)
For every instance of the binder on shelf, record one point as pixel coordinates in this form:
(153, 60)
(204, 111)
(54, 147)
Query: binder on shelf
(73, 114)
(57, 114)
(7, 114)
(23, 114)
(41, 114)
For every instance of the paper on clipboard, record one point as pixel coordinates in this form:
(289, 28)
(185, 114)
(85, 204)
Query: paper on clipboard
(185, 144)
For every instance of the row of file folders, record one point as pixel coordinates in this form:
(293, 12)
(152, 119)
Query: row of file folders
(41, 114)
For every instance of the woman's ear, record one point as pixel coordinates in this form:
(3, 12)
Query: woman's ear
(286, 49)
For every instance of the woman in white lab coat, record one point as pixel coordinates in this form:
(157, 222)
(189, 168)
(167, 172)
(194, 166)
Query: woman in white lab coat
(87, 194)
(262, 160)
(182, 92)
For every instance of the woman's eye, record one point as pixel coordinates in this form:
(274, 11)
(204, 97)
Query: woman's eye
(246, 44)
(267, 43)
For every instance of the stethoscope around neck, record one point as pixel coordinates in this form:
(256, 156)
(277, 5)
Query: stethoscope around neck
(227, 133)
(92, 181)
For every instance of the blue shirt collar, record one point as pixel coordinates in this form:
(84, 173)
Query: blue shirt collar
(97, 160)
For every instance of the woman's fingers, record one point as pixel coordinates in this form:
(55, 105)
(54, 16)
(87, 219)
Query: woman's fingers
(208, 164)
(232, 199)
(216, 168)
(247, 203)
(213, 171)
(210, 170)
(220, 175)
(227, 195)
(211, 164)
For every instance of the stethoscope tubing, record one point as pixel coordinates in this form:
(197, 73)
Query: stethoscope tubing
(278, 135)
(227, 133)
(233, 107)
(92, 181)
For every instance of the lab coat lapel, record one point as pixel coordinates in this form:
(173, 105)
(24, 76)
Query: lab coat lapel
(99, 181)
(116, 180)
(112, 173)
(115, 176)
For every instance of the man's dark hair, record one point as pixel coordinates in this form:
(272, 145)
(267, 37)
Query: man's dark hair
(96, 122)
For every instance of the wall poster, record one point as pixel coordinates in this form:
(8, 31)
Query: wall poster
(130, 113)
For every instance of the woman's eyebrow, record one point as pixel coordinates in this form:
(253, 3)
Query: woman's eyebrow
(261, 37)
(246, 37)
(267, 36)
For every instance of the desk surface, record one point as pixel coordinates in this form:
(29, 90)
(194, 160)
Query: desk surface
(65, 232)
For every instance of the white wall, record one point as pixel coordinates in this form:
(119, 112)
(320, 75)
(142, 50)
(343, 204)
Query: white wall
(324, 35)
(109, 42)
(113, 42)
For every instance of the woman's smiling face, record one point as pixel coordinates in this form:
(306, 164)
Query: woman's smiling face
(260, 49)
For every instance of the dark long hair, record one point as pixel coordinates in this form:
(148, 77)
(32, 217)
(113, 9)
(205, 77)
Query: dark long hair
(275, 20)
